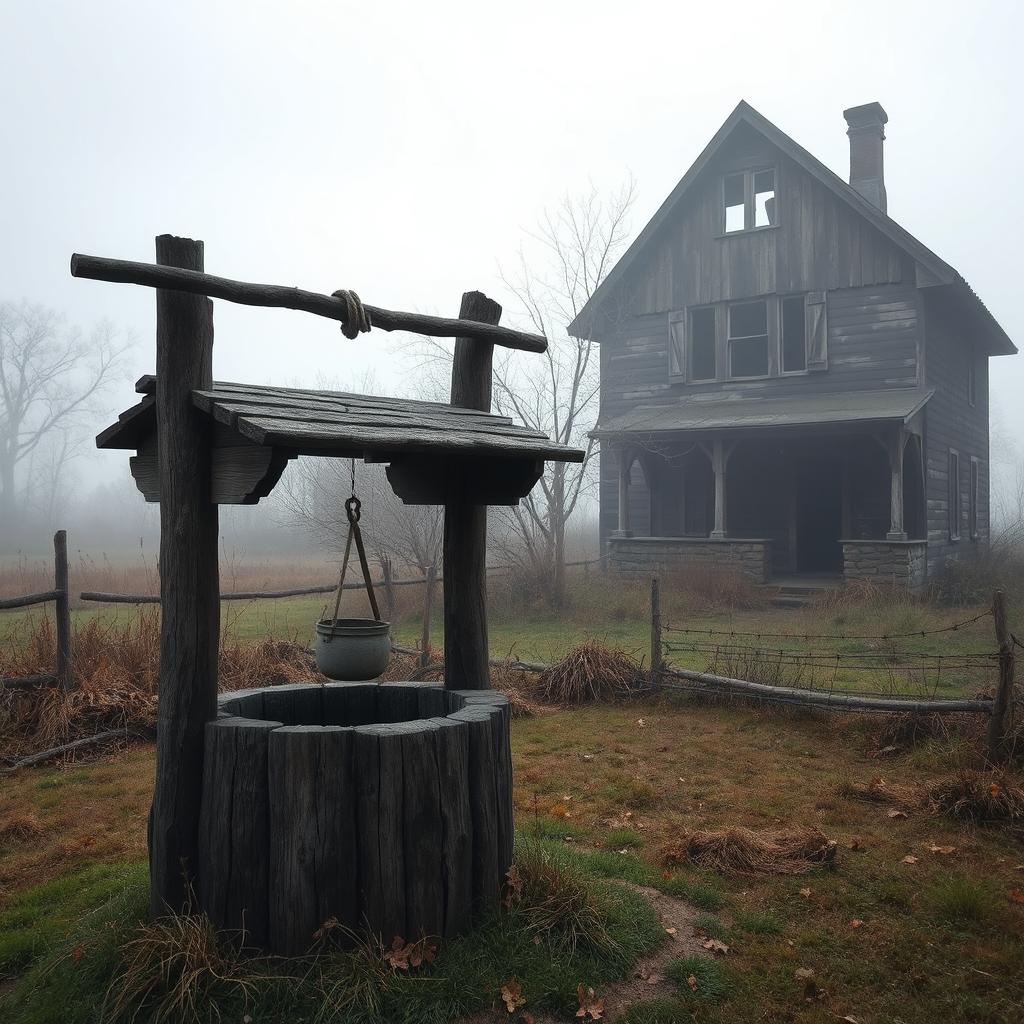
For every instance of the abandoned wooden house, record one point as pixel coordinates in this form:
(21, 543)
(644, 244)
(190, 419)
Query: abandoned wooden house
(791, 383)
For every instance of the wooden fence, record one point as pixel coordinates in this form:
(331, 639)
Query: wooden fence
(61, 596)
(62, 602)
(999, 708)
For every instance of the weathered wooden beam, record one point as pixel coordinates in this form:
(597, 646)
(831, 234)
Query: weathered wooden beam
(829, 699)
(28, 599)
(189, 590)
(1001, 723)
(465, 524)
(99, 268)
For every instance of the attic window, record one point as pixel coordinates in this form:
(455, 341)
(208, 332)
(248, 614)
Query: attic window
(735, 203)
(749, 200)
(748, 339)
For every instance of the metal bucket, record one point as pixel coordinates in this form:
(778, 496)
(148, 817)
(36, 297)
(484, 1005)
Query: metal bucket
(352, 649)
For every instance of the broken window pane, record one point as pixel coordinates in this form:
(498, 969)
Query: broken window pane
(794, 337)
(734, 203)
(702, 345)
(764, 199)
(747, 319)
(748, 339)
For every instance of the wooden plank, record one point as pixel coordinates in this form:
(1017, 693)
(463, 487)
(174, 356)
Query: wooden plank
(192, 281)
(423, 832)
(346, 441)
(234, 828)
(190, 608)
(483, 802)
(344, 404)
(379, 792)
(313, 864)
(452, 743)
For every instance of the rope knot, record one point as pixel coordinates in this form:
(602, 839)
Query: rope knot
(357, 320)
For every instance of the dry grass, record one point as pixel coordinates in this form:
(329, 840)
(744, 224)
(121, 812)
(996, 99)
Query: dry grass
(590, 672)
(172, 966)
(792, 851)
(878, 791)
(115, 666)
(980, 797)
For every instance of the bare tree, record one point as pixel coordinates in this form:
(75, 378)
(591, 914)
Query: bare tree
(50, 378)
(571, 253)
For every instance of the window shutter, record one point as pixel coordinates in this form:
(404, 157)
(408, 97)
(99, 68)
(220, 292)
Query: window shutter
(677, 344)
(817, 331)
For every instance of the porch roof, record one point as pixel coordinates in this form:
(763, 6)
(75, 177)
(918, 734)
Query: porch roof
(739, 412)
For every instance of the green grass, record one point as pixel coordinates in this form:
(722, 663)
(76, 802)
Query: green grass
(703, 894)
(711, 984)
(61, 948)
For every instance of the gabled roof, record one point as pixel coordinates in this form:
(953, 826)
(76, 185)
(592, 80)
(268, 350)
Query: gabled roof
(335, 423)
(710, 412)
(938, 269)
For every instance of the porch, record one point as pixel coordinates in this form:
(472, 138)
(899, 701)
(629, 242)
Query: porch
(829, 499)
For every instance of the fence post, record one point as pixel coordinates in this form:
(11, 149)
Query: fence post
(65, 678)
(1001, 722)
(389, 590)
(428, 602)
(655, 631)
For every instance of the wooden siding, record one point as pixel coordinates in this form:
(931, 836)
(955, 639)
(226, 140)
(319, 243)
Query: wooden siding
(952, 422)
(819, 243)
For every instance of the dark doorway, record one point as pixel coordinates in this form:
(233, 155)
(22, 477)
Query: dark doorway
(819, 515)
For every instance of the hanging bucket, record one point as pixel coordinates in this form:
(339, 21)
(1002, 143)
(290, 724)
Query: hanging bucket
(352, 649)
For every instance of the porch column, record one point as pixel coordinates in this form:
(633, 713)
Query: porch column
(625, 465)
(896, 446)
(719, 458)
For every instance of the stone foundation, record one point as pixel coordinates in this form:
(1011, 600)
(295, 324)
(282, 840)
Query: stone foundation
(752, 557)
(903, 563)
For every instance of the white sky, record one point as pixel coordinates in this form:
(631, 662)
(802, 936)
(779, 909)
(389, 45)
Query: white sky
(403, 149)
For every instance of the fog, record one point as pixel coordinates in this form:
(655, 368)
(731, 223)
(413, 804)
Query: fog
(408, 150)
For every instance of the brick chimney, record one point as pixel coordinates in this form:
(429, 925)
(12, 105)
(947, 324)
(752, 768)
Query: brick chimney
(867, 136)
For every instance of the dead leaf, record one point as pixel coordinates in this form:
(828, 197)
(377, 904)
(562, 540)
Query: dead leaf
(77, 953)
(806, 893)
(692, 982)
(855, 844)
(894, 812)
(404, 955)
(590, 1005)
(803, 973)
(639, 722)
(671, 931)
(651, 977)
(856, 922)
(1017, 895)
(994, 790)
(850, 1019)
(910, 859)
(513, 886)
(932, 848)
(512, 995)
(715, 945)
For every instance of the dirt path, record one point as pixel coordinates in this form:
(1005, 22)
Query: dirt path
(647, 980)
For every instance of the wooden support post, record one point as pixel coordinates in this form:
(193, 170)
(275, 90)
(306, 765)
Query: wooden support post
(65, 678)
(466, 654)
(655, 631)
(1001, 722)
(189, 583)
(719, 461)
(428, 611)
(895, 447)
(625, 466)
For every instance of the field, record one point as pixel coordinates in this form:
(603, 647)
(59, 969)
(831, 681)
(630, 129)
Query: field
(922, 918)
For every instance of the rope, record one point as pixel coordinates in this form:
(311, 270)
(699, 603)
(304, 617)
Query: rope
(356, 318)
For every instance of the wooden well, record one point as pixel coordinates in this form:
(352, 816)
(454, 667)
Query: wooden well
(386, 807)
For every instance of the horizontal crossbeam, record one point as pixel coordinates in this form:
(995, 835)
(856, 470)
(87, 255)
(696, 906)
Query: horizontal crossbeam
(99, 268)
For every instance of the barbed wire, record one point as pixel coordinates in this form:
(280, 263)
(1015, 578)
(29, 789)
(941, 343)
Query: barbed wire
(761, 634)
(869, 659)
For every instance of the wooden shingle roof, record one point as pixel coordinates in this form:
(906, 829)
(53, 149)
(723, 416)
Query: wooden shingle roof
(336, 423)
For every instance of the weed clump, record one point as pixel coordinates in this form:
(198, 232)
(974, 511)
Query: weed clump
(590, 672)
(748, 851)
(979, 797)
